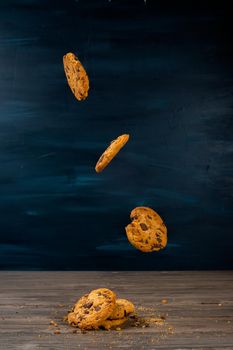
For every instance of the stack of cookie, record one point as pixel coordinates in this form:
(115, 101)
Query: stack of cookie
(100, 309)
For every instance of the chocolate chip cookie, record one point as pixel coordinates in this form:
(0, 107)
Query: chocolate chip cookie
(76, 76)
(122, 309)
(91, 310)
(147, 231)
(111, 152)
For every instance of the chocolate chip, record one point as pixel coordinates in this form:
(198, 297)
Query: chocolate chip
(88, 305)
(149, 217)
(97, 308)
(134, 217)
(157, 246)
(144, 227)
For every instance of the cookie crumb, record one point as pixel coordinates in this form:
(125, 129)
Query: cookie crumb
(53, 323)
(61, 305)
(57, 331)
(164, 301)
(170, 330)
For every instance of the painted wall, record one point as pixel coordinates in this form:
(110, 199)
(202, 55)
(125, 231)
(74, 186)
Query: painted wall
(162, 73)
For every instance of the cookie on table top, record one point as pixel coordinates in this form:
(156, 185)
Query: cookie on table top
(108, 324)
(111, 152)
(92, 309)
(147, 231)
(122, 309)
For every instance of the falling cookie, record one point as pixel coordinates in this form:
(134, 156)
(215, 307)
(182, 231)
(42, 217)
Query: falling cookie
(76, 76)
(111, 152)
(147, 231)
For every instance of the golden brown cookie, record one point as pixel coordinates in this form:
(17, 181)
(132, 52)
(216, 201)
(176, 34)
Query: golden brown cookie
(147, 231)
(122, 309)
(92, 309)
(111, 152)
(76, 76)
(107, 324)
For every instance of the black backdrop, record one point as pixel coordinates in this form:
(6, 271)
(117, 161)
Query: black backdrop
(161, 71)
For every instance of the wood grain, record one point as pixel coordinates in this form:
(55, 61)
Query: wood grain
(199, 312)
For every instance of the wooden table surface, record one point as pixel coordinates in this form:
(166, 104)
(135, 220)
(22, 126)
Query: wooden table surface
(198, 313)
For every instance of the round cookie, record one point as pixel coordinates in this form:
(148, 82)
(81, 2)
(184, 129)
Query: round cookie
(147, 231)
(107, 324)
(76, 76)
(122, 309)
(92, 309)
(111, 152)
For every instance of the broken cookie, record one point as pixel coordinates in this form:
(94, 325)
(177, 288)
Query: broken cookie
(147, 231)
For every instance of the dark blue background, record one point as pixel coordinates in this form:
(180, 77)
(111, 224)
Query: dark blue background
(162, 73)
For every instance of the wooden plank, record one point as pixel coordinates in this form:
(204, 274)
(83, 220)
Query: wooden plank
(199, 312)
